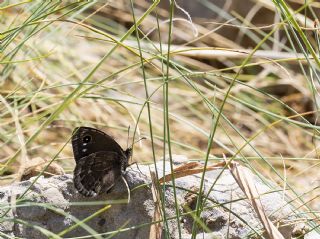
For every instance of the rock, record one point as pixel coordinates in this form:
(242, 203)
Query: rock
(52, 205)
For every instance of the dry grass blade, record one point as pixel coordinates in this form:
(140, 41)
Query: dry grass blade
(245, 182)
(189, 169)
(24, 155)
(215, 53)
(128, 189)
(156, 228)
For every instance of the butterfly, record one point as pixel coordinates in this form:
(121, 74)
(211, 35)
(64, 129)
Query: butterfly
(100, 161)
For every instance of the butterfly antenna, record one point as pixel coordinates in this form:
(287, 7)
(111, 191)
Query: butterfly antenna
(128, 189)
(138, 140)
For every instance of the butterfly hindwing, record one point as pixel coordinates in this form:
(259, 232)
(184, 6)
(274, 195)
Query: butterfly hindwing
(97, 172)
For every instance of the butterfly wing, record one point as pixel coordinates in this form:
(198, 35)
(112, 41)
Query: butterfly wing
(86, 141)
(97, 172)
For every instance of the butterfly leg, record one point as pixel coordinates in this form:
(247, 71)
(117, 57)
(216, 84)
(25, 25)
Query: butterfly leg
(137, 166)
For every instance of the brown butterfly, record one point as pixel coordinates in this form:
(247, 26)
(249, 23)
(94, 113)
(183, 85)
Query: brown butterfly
(100, 161)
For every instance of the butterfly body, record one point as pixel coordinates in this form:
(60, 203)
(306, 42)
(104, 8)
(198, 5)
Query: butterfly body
(100, 161)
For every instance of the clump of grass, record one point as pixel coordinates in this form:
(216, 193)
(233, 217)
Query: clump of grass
(204, 96)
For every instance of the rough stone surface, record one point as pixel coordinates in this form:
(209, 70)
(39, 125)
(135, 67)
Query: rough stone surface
(53, 205)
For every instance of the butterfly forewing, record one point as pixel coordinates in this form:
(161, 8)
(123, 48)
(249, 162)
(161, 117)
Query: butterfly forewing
(86, 141)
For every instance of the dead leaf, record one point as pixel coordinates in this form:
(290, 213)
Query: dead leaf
(36, 165)
(246, 183)
(190, 169)
(156, 228)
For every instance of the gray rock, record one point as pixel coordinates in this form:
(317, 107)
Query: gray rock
(27, 208)
(52, 205)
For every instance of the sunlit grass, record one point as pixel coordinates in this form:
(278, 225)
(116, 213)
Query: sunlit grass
(81, 63)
